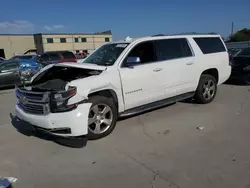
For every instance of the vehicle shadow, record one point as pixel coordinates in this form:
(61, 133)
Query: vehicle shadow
(28, 129)
(234, 82)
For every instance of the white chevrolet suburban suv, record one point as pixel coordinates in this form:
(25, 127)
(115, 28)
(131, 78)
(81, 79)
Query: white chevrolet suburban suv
(120, 79)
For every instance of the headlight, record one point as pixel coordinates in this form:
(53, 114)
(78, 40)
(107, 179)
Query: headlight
(59, 100)
(247, 68)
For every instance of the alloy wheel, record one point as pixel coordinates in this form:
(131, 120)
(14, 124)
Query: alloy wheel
(209, 89)
(100, 118)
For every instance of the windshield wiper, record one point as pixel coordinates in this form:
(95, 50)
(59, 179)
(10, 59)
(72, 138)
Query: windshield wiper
(105, 64)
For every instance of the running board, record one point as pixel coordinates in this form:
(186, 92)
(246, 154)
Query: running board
(157, 104)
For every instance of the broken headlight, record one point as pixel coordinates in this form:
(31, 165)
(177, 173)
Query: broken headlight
(59, 100)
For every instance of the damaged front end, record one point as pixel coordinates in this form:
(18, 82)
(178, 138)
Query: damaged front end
(52, 104)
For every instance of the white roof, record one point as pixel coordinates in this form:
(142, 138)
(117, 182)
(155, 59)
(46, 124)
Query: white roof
(164, 37)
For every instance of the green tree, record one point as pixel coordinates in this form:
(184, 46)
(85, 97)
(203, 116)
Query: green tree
(242, 35)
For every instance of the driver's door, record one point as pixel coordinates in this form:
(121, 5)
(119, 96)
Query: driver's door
(9, 74)
(144, 82)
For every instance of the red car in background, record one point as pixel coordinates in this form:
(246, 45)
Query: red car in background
(57, 57)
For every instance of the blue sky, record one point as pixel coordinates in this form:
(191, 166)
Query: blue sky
(132, 18)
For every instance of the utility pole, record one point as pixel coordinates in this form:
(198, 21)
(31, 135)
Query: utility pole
(232, 29)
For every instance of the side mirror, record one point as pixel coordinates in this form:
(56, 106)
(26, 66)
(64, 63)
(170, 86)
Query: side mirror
(131, 61)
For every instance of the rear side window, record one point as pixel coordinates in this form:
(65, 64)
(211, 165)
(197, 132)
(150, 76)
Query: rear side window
(68, 55)
(172, 49)
(54, 56)
(210, 45)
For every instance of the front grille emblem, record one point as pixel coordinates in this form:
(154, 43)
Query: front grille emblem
(23, 100)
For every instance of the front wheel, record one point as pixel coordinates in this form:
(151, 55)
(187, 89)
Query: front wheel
(102, 117)
(206, 89)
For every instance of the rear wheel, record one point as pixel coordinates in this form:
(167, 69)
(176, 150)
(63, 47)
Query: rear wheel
(206, 90)
(102, 117)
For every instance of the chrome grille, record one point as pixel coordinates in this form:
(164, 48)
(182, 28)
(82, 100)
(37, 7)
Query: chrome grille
(33, 102)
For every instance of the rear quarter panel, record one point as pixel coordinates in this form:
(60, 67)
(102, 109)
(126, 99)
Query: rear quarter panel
(203, 62)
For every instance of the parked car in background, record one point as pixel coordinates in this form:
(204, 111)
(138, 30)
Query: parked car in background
(233, 52)
(29, 68)
(23, 57)
(241, 66)
(57, 57)
(120, 79)
(2, 59)
(16, 72)
(9, 74)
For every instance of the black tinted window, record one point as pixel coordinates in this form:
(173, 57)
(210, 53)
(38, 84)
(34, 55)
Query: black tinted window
(172, 48)
(210, 45)
(63, 40)
(54, 56)
(84, 40)
(50, 40)
(68, 55)
(145, 51)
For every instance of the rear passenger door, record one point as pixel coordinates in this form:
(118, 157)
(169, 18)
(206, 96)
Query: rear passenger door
(179, 65)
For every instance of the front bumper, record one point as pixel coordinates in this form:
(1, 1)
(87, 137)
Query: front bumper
(67, 124)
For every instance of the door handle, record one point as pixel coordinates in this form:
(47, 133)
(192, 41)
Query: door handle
(158, 69)
(189, 63)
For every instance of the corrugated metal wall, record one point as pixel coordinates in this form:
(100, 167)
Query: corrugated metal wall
(244, 44)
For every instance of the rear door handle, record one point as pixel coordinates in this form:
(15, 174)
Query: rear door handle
(189, 63)
(158, 69)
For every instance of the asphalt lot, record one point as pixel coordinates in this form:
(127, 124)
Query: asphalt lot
(162, 148)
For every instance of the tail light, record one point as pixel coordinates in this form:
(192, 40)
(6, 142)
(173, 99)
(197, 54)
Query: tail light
(59, 100)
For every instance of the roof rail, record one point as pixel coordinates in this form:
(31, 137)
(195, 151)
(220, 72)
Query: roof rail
(158, 35)
(188, 33)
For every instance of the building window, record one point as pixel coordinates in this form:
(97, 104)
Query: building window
(63, 40)
(76, 40)
(84, 40)
(50, 40)
(106, 39)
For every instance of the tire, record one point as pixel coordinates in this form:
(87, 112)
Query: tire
(99, 119)
(202, 95)
(246, 79)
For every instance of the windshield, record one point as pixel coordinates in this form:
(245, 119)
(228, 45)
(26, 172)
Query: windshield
(244, 52)
(107, 54)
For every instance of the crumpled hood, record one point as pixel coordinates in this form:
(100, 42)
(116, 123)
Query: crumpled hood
(82, 66)
(75, 65)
